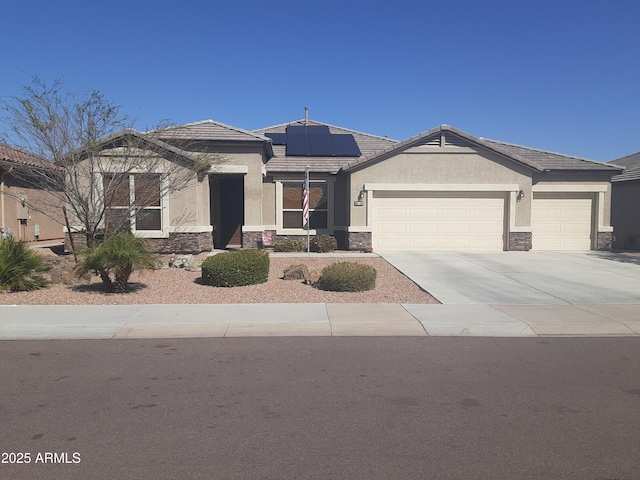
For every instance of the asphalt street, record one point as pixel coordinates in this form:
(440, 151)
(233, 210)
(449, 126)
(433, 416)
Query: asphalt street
(320, 408)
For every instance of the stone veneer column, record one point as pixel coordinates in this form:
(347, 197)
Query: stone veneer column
(604, 241)
(359, 240)
(520, 241)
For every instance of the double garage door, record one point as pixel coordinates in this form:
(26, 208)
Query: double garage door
(438, 221)
(432, 221)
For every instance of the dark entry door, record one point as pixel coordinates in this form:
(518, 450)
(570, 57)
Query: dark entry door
(231, 211)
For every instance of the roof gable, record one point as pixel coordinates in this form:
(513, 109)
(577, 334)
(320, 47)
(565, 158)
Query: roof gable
(132, 138)
(447, 136)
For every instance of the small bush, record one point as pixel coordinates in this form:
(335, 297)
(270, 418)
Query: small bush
(116, 257)
(295, 272)
(21, 267)
(289, 245)
(323, 243)
(348, 277)
(235, 269)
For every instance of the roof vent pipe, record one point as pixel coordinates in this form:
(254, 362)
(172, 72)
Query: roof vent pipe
(306, 116)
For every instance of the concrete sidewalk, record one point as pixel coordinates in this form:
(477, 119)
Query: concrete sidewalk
(316, 319)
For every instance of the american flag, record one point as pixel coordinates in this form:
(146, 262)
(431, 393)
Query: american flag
(305, 198)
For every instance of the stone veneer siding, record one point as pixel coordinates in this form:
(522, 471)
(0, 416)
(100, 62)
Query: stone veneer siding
(346, 240)
(176, 242)
(520, 241)
(604, 241)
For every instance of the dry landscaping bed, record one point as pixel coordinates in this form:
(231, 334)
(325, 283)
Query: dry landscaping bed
(177, 285)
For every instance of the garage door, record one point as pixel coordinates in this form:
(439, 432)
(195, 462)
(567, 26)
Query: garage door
(438, 221)
(561, 221)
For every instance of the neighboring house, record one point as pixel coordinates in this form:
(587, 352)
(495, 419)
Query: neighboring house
(441, 190)
(625, 199)
(27, 211)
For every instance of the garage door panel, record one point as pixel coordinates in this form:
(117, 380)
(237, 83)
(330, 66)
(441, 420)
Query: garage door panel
(455, 228)
(439, 221)
(421, 228)
(392, 228)
(447, 213)
(415, 212)
(391, 213)
(486, 228)
(562, 221)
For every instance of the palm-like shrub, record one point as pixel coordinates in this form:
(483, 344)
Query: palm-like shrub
(21, 268)
(116, 258)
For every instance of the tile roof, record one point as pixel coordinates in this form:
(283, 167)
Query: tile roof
(15, 155)
(537, 160)
(631, 163)
(367, 143)
(627, 175)
(552, 161)
(207, 130)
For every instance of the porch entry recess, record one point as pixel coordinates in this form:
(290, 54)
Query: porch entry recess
(227, 210)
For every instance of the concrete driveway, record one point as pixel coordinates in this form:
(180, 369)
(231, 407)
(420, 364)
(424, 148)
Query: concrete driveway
(523, 278)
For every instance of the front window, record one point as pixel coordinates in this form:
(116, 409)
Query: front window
(292, 205)
(134, 201)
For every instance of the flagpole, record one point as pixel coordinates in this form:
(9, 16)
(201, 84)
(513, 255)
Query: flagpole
(306, 189)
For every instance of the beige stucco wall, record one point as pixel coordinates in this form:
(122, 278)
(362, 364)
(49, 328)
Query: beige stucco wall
(451, 166)
(42, 209)
(624, 214)
(269, 201)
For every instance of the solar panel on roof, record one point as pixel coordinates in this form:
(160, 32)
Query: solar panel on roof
(322, 146)
(345, 145)
(298, 145)
(307, 130)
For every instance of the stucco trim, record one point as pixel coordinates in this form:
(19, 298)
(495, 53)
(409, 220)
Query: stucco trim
(569, 188)
(191, 229)
(446, 187)
(244, 169)
(354, 229)
(258, 228)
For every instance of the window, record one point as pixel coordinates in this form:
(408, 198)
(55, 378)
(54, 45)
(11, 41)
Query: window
(292, 205)
(134, 200)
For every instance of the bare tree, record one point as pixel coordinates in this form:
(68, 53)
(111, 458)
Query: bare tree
(107, 173)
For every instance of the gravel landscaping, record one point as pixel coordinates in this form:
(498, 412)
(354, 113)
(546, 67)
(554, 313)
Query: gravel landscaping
(177, 285)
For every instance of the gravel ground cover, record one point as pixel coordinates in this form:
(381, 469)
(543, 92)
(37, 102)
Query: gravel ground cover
(177, 285)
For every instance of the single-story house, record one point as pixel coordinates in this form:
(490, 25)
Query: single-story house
(625, 199)
(27, 211)
(443, 189)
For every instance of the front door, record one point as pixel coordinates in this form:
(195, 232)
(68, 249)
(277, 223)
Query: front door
(231, 211)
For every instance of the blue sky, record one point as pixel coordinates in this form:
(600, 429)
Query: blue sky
(561, 75)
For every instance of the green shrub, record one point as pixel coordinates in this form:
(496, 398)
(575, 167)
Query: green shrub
(116, 257)
(323, 243)
(235, 269)
(348, 277)
(289, 245)
(21, 267)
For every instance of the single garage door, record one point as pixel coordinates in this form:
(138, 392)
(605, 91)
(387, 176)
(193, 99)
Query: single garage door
(432, 221)
(561, 221)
